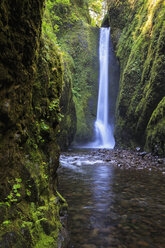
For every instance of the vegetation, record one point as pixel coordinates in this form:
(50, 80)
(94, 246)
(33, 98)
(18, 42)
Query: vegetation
(79, 43)
(32, 84)
(48, 82)
(83, 51)
(138, 35)
(30, 206)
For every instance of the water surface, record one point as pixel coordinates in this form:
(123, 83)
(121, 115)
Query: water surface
(110, 206)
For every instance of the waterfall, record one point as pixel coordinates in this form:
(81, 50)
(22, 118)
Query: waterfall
(103, 129)
(107, 94)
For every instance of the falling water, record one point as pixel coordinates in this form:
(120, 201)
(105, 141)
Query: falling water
(108, 87)
(103, 129)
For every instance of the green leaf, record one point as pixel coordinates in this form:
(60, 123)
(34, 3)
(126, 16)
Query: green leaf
(18, 180)
(16, 186)
(6, 222)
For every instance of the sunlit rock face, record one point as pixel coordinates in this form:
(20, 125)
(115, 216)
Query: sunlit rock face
(137, 32)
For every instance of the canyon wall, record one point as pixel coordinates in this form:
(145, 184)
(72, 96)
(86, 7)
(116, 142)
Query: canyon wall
(137, 32)
(31, 77)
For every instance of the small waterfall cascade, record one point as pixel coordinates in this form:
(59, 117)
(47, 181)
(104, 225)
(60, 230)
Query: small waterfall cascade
(103, 129)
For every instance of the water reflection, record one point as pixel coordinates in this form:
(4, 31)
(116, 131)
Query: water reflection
(110, 207)
(102, 192)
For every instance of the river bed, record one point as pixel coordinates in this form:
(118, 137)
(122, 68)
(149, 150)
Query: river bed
(116, 198)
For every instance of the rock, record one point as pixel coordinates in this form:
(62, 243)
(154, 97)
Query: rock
(143, 243)
(143, 154)
(107, 160)
(124, 203)
(88, 246)
(160, 161)
(95, 232)
(138, 149)
(124, 217)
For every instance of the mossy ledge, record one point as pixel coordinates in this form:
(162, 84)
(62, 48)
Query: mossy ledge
(138, 31)
(31, 76)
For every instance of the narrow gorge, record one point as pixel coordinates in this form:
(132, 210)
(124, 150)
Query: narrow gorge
(49, 78)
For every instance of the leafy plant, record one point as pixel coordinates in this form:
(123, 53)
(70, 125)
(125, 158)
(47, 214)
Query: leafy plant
(44, 126)
(14, 193)
(6, 222)
(54, 105)
(28, 192)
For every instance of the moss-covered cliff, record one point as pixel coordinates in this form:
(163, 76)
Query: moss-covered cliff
(138, 31)
(79, 43)
(83, 54)
(68, 124)
(31, 76)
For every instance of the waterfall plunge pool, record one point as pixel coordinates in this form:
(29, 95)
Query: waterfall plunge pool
(109, 205)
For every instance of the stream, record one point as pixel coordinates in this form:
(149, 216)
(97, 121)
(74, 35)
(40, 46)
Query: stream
(116, 199)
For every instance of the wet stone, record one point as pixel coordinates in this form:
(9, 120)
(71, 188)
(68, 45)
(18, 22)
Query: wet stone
(124, 203)
(88, 246)
(143, 244)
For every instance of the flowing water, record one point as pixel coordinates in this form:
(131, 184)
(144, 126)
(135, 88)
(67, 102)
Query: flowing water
(107, 94)
(110, 206)
(104, 135)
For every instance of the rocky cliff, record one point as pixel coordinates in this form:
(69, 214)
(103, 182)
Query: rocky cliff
(138, 31)
(31, 76)
(79, 43)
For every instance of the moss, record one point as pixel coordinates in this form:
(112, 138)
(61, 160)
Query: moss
(155, 131)
(79, 43)
(31, 73)
(45, 241)
(83, 49)
(140, 51)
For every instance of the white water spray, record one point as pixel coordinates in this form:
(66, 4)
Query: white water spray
(103, 130)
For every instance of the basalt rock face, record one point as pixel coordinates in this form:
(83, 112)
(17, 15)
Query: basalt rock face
(138, 31)
(31, 75)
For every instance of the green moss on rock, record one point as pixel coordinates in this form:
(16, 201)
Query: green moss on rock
(155, 133)
(79, 43)
(83, 49)
(137, 32)
(31, 76)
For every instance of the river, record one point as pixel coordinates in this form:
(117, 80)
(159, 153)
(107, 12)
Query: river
(112, 205)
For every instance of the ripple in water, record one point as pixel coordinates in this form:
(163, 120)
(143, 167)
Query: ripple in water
(111, 207)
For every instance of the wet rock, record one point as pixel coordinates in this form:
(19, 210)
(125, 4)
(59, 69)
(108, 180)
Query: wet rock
(124, 217)
(95, 232)
(63, 238)
(124, 203)
(88, 246)
(142, 154)
(138, 149)
(114, 217)
(108, 160)
(160, 161)
(143, 244)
